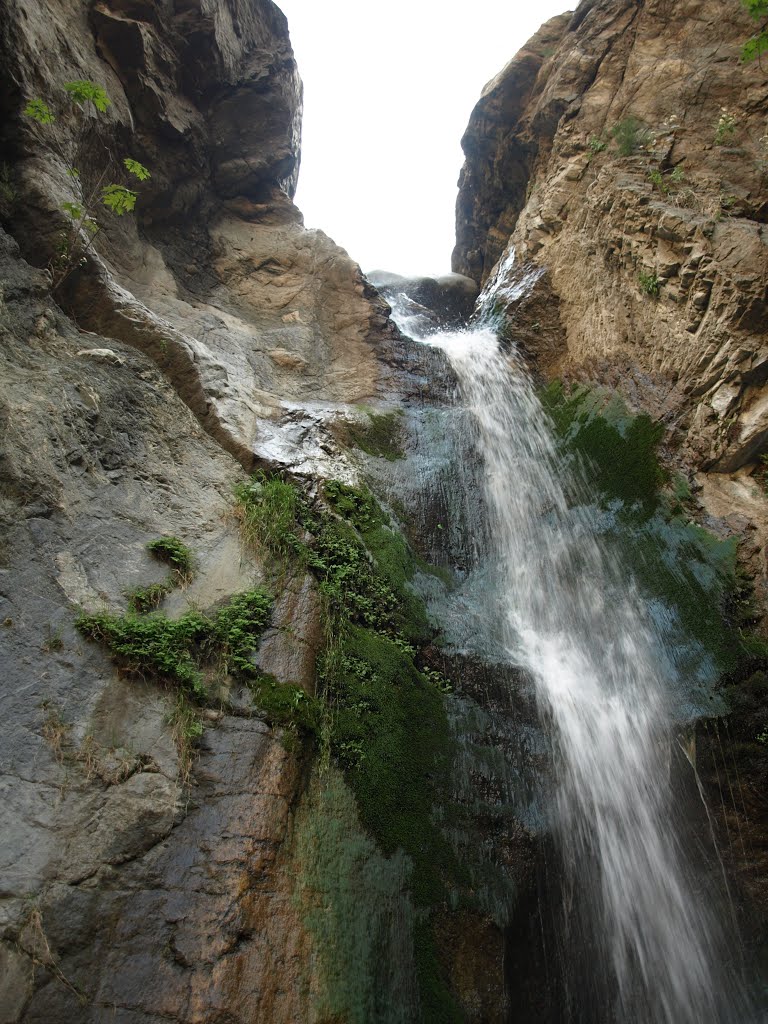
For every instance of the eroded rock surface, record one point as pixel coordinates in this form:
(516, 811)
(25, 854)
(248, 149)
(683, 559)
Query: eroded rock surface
(215, 277)
(656, 258)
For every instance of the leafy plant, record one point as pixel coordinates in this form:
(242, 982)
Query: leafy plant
(758, 43)
(596, 144)
(84, 91)
(174, 553)
(76, 242)
(658, 182)
(725, 129)
(179, 557)
(630, 135)
(649, 282)
(39, 111)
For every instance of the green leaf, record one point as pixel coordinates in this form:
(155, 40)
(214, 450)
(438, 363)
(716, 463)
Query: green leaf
(74, 210)
(85, 91)
(118, 199)
(757, 8)
(90, 225)
(39, 111)
(136, 169)
(72, 172)
(754, 47)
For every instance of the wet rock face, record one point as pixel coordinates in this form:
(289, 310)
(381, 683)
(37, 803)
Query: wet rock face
(125, 892)
(447, 300)
(624, 151)
(214, 277)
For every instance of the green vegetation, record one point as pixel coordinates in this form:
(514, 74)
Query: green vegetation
(672, 558)
(174, 553)
(726, 126)
(596, 145)
(179, 557)
(146, 599)
(630, 135)
(381, 435)
(196, 650)
(619, 448)
(649, 282)
(383, 722)
(268, 510)
(75, 243)
(758, 43)
(666, 183)
(349, 894)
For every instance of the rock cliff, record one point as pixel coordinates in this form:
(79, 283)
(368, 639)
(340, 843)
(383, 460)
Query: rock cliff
(624, 152)
(258, 759)
(188, 831)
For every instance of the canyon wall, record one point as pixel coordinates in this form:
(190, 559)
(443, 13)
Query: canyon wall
(624, 151)
(185, 830)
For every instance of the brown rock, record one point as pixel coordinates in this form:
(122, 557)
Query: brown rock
(543, 176)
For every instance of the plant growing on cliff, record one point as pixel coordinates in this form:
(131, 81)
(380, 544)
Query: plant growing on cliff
(88, 201)
(630, 135)
(758, 43)
(649, 282)
(176, 555)
(725, 129)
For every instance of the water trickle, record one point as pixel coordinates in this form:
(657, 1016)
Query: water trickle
(569, 614)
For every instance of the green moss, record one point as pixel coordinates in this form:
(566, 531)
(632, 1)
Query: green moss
(384, 722)
(673, 559)
(394, 560)
(355, 903)
(387, 710)
(381, 435)
(619, 447)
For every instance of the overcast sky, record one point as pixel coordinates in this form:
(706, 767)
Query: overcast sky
(388, 90)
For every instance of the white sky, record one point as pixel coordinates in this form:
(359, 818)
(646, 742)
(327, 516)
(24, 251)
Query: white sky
(388, 90)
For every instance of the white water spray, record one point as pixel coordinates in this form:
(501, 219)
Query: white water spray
(572, 618)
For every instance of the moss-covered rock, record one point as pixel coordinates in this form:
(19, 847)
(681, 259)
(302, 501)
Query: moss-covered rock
(690, 576)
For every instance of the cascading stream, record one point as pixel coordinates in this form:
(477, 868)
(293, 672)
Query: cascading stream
(571, 617)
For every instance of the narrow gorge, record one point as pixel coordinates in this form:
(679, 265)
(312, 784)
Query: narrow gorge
(382, 649)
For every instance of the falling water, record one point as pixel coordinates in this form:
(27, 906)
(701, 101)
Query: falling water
(570, 615)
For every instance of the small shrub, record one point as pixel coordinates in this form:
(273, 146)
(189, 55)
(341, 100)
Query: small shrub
(153, 645)
(175, 554)
(657, 180)
(725, 129)
(596, 145)
(630, 135)
(649, 282)
(146, 599)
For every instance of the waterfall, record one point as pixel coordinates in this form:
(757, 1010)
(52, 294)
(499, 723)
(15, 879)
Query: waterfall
(633, 910)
